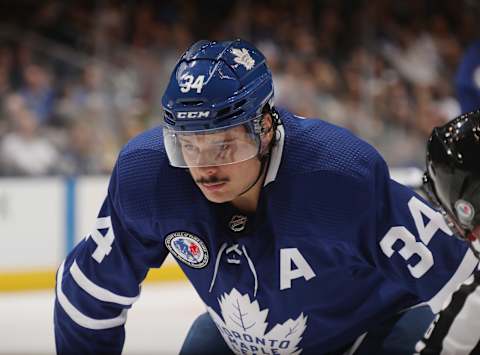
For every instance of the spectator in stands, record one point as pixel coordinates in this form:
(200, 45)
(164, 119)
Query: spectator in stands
(397, 89)
(37, 92)
(467, 81)
(82, 156)
(24, 150)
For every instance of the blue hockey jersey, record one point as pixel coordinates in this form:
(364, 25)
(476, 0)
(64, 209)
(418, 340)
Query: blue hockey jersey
(467, 81)
(334, 248)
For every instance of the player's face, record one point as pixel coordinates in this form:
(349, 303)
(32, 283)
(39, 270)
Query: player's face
(223, 147)
(224, 183)
(220, 183)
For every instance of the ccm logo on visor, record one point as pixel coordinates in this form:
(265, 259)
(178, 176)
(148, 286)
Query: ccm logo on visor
(193, 114)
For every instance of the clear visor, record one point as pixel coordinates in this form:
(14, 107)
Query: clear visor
(228, 145)
(470, 233)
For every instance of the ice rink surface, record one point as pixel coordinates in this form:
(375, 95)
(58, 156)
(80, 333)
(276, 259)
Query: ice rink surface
(157, 322)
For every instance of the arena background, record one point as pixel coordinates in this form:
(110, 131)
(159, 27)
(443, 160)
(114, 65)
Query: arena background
(78, 79)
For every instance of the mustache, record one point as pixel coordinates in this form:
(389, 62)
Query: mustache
(211, 180)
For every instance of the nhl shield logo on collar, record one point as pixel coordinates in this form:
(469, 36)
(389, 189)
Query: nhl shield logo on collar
(188, 248)
(238, 223)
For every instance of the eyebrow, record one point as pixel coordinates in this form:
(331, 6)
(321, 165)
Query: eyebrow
(183, 140)
(224, 141)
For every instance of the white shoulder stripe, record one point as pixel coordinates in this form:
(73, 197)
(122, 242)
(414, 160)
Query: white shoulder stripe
(466, 268)
(96, 291)
(81, 319)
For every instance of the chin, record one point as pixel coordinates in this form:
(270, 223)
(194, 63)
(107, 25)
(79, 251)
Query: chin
(217, 198)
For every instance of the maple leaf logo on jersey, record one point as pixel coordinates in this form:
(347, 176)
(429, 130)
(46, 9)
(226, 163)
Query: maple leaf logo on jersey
(245, 325)
(243, 57)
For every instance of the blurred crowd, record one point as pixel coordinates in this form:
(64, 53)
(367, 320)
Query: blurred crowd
(78, 79)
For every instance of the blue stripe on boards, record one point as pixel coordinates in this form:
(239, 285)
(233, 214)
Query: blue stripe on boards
(70, 189)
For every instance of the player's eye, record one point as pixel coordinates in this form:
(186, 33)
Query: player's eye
(189, 148)
(223, 150)
(224, 147)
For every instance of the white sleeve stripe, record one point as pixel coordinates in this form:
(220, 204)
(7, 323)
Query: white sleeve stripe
(103, 222)
(81, 319)
(356, 344)
(466, 268)
(463, 334)
(96, 291)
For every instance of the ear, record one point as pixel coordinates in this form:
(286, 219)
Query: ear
(267, 132)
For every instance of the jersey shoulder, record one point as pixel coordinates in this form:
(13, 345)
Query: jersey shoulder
(143, 181)
(151, 139)
(142, 158)
(313, 145)
(326, 179)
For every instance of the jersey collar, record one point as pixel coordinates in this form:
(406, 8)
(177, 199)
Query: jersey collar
(276, 156)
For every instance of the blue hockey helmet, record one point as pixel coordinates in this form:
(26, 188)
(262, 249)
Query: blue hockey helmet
(213, 104)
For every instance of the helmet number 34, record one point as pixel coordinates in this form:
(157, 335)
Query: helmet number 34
(411, 247)
(189, 82)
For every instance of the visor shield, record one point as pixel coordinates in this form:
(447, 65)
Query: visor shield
(224, 146)
(469, 233)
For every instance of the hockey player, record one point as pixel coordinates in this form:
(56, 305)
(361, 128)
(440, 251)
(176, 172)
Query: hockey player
(467, 80)
(290, 229)
(452, 181)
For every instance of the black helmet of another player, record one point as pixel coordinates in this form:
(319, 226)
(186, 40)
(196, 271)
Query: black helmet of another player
(452, 177)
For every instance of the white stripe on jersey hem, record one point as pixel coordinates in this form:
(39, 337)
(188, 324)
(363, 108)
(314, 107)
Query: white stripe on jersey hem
(356, 344)
(81, 319)
(466, 268)
(276, 157)
(96, 291)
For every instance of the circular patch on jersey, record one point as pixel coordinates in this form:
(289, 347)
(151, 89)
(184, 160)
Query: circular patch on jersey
(188, 248)
(465, 211)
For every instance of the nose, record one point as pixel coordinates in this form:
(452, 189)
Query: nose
(208, 170)
(203, 158)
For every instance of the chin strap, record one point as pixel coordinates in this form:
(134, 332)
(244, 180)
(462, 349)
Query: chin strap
(264, 160)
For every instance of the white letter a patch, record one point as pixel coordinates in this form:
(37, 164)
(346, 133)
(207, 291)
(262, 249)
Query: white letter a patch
(287, 257)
